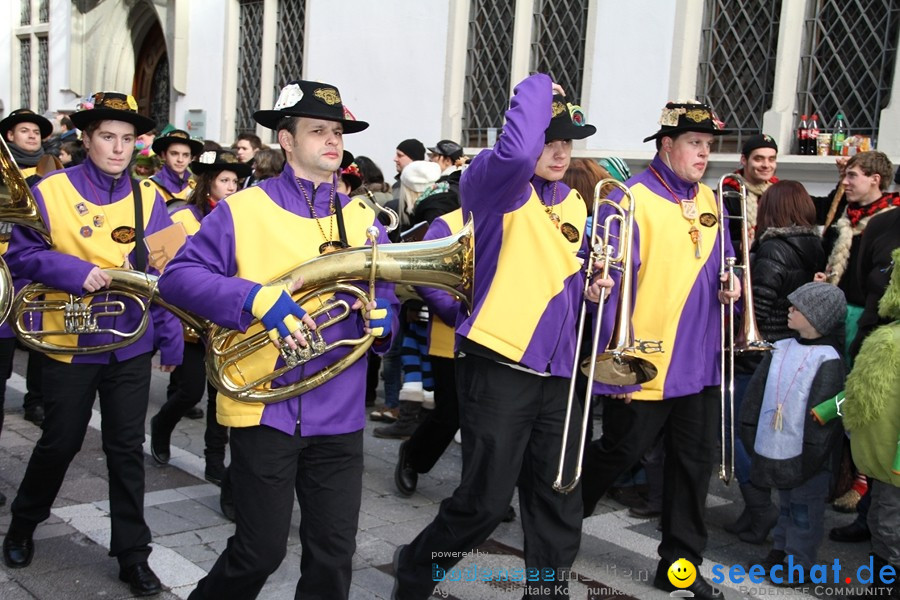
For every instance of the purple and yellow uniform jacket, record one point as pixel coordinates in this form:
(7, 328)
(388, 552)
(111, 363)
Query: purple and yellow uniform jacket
(255, 236)
(444, 306)
(528, 279)
(675, 293)
(90, 214)
(171, 186)
(189, 216)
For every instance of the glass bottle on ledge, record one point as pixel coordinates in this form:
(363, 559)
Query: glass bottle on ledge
(812, 136)
(802, 136)
(839, 134)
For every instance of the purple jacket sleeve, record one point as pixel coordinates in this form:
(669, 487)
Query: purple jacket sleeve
(441, 303)
(168, 333)
(30, 257)
(204, 269)
(498, 179)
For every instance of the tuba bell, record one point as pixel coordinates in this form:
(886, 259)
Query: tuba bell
(17, 207)
(446, 263)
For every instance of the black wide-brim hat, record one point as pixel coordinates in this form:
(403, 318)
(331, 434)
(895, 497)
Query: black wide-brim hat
(678, 117)
(216, 161)
(310, 99)
(567, 122)
(176, 136)
(24, 115)
(112, 106)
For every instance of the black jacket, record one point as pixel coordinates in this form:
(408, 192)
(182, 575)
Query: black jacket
(444, 199)
(782, 259)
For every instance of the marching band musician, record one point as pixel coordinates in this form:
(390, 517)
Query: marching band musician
(218, 173)
(176, 149)
(676, 273)
(311, 444)
(516, 348)
(90, 212)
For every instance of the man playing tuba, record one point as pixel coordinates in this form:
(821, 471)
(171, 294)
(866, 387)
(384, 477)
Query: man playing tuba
(313, 443)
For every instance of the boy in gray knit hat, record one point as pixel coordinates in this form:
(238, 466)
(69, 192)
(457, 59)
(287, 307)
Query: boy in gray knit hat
(789, 451)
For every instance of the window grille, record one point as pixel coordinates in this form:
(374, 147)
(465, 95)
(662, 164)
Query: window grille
(249, 64)
(847, 61)
(289, 47)
(44, 11)
(557, 45)
(737, 65)
(25, 74)
(43, 73)
(26, 13)
(488, 58)
(159, 99)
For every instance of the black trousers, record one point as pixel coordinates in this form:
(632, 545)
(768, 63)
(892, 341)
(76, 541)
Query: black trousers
(689, 425)
(34, 381)
(124, 389)
(7, 353)
(512, 425)
(432, 437)
(267, 469)
(186, 386)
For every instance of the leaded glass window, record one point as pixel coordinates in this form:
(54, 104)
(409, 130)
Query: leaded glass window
(847, 61)
(488, 58)
(25, 13)
(557, 45)
(43, 75)
(249, 64)
(159, 99)
(737, 64)
(25, 71)
(289, 47)
(44, 11)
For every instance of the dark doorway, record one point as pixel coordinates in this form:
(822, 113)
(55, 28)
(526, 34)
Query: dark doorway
(151, 77)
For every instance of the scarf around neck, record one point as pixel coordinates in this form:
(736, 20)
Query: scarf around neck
(24, 158)
(855, 213)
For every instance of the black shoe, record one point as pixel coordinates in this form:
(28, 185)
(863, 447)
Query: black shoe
(35, 415)
(510, 515)
(853, 533)
(226, 500)
(700, 588)
(194, 413)
(214, 473)
(159, 443)
(2, 499)
(141, 579)
(644, 511)
(396, 563)
(405, 477)
(774, 557)
(18, 551)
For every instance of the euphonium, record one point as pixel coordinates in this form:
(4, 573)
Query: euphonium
(750, 340)
(17, 206)
(618, 365)
(79, 314)
(446, 263)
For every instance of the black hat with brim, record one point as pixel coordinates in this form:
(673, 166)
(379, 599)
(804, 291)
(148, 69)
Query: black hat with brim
(112, 106)
(680, 117)
(309, 99)
(177, 136)
(567, 122)
(216, 161)
(24, 115)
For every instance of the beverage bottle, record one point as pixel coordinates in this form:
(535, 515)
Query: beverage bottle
(813, 135)
(839, 135)
(802, 136)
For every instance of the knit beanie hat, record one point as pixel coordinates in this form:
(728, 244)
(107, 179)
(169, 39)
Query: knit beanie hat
(616, 167)
(755, 142)
(413, 148)
(823, 305)
(419, 175)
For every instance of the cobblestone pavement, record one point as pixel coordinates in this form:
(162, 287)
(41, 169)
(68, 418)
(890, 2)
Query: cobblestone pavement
(617, 557)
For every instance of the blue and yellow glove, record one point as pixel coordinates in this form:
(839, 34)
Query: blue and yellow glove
(379, 319)
(275, 309)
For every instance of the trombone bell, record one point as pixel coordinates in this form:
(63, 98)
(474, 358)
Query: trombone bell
(616, 368)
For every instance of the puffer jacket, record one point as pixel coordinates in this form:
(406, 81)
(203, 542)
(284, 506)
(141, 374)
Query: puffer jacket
(782, 259)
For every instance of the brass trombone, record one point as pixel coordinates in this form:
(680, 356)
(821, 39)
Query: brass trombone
(617, 365)
(446, 263)
(17, 206)
(750, 339)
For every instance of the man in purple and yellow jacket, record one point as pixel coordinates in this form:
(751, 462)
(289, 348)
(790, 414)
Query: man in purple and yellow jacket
(311, 444)
(516, 349)
(90, 212)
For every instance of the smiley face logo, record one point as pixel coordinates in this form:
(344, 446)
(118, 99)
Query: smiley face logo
(682, 573)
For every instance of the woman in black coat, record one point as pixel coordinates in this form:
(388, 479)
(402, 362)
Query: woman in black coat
(786, 253)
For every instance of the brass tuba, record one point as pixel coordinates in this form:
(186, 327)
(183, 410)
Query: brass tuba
(618, 365)
(18, 207)
(446, 263)
(750, 339)
(80, 313)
